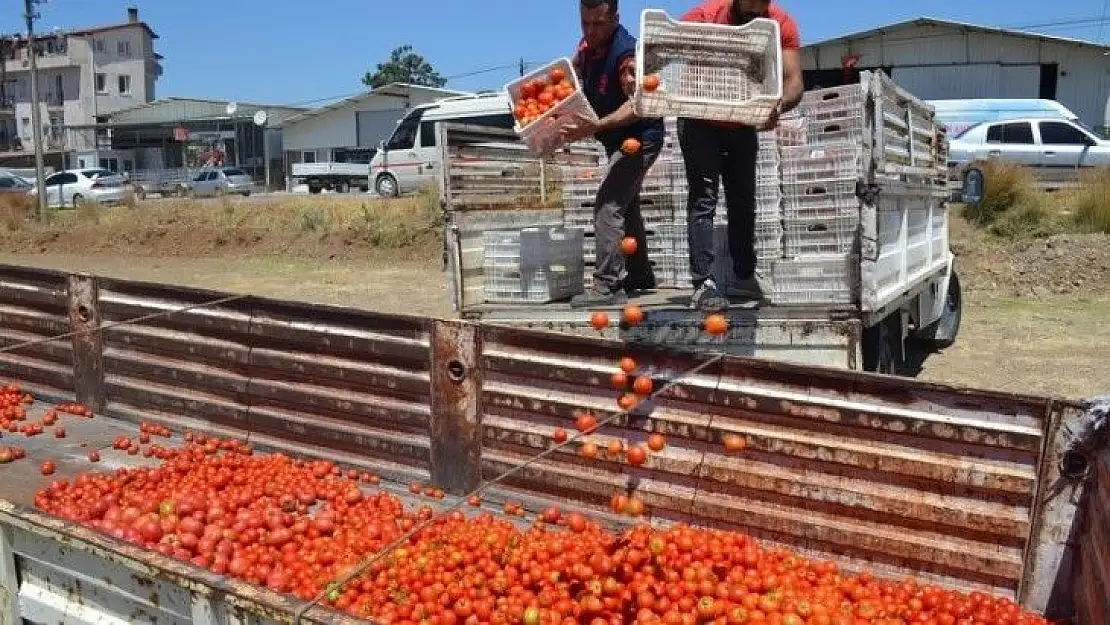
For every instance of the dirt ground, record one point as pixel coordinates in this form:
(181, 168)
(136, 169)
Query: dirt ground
(1035, 319)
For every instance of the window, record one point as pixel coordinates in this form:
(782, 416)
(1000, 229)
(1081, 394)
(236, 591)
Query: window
(231, 171)
(493, 121)
(102, 83)
(1014, 132)
(427, 134)
(61, 178)
(201, 177)
(404, 138)
(124, 84)
(1060, 133)
(123, 48)
(98, 45)
(308, 156)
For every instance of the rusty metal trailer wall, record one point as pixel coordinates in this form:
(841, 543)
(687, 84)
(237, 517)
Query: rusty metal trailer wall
(1092, 586)
(909, 477)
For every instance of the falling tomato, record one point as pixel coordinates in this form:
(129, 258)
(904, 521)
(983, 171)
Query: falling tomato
(633, 315)
(619, 381)
(615, 448)
(628, 365)
(599, 321)
(47, 467)
(629, 246)
(716, 325)
(636, 456)
(630, 146)
(651, 82)
(628, 401)
(586, 423)
(559, 435)
(734, 443)
(656, 442)
(643, 386)
(589, 450)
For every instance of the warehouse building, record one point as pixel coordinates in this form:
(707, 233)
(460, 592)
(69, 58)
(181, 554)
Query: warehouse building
(939, 59)
(350, 129)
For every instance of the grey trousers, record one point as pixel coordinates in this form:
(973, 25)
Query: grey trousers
(617, 214)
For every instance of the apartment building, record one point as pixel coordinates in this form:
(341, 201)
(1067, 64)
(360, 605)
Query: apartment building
(84, 75)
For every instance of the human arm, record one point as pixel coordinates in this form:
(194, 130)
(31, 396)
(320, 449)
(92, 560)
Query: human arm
(583, 127)
(792, 84)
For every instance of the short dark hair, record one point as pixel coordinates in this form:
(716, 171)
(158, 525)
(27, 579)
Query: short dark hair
(593, 4)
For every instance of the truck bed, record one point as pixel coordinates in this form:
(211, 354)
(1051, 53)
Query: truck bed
(961, 487)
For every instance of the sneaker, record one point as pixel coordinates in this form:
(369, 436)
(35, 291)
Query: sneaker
(755, 287)
(597, 298)
(707, 298)
(638, 283)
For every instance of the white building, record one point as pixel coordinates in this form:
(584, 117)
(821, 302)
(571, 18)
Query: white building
(346, 131)
(84, 74)
(938, 59)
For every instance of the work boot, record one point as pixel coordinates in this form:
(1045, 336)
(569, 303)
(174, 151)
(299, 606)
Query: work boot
(707, 298)
(599, 297)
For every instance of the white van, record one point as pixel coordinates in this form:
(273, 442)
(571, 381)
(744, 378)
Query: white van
(959, 115)
(410, 159)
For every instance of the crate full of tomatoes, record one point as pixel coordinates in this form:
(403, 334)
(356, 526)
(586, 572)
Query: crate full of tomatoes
(545, 102)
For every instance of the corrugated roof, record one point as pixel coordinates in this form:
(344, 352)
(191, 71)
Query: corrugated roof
(174, 110)
(930, 21)
(396, 89)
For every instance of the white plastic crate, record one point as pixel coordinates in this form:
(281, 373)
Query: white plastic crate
(833, 103)
(847, 130)
(791, 130)
(827, 280)
(544, 135)
(825, 162)
(532, 265)
(819, 236)
(709, 71)
(820, 199)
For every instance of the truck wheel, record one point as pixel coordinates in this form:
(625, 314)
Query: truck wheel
(341, 187)
(943, 332)
(882, 346)
(314, 190)
(386, 186)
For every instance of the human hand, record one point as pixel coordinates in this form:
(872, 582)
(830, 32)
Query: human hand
(577, 127)
(773, 120)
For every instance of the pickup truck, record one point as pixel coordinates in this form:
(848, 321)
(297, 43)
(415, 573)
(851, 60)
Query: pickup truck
(892, 286)
(339, 177)
(976, 490)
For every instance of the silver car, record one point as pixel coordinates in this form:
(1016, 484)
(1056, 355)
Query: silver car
(221, 181)
(1041, 143)
(73, 187)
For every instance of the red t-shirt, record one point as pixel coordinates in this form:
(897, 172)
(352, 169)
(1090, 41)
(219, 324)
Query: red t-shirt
(717, 12)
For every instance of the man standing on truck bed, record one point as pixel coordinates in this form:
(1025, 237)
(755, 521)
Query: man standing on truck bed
(716, 151)
(606, 66)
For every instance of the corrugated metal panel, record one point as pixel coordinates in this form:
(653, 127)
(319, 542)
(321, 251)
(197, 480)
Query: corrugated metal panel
(866, 469)
(33, 306)
(173, 110)
(375, 126)
(290, 376)
(1092, 586)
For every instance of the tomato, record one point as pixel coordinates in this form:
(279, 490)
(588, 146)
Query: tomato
(715, 324)
(599, 321)
(94, 456)
(586, 423)
(628, 401)
(629, 246)
(556, 75)
(636, 456)
(627, 364)
(47, 467)
(559, 435)
(630, 146)
(643, 386)
(656, 442)
(650, 83)
(615, 448)
(59, 432)
(589, 450)
(619, 381)
(6, 456)
(734, 443)
(632, 315)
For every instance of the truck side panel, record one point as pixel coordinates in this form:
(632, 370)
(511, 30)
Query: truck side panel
(1092, 585)
(907, 477)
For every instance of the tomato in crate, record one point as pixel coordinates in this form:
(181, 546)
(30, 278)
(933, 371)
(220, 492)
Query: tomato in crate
(545, 102)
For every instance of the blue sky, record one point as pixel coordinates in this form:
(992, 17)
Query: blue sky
(310, 52)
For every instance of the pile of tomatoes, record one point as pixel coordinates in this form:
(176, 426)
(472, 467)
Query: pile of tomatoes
(540, 94)
(298, 526)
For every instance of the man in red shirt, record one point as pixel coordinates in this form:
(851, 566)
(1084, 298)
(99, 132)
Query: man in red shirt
(715, 151)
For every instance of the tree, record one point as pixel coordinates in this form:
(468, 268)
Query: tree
(406, 66)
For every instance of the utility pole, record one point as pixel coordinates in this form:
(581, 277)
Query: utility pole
(522, 66)
(36, 114)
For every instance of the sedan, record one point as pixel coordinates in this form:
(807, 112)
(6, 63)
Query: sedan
(75, 186)
(11, 184)
(221, 181)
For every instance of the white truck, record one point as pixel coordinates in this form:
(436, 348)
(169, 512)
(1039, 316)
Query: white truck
(339, 177)
(889, 283)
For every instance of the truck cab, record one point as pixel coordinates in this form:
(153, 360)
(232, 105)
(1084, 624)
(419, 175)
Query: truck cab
(410, 160)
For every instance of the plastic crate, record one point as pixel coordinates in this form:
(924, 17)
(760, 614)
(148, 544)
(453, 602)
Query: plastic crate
(544, 135)
(709, 71)
(532, 265)
(814, 280)
(791, 130)
(820, 199)
(819, 236)
(833, 103)
(847, 130)
(818, 163)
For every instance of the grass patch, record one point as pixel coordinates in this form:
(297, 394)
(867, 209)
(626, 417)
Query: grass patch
(1090, 204)
(331, 226)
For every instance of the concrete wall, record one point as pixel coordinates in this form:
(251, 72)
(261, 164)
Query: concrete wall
(1083, 73)
(337, 128)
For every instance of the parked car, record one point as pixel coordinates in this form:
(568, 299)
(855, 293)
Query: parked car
(1048, 143)
(11, 184)
(221, 181)
(72, 187)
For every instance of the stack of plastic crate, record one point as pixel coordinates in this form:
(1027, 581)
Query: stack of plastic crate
(768, 198)
(820, 209)
(532, 265)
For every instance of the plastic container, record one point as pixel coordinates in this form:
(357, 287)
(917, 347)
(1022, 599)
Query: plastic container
(807, 237)
(533, 265)
(820, 199)
(709, 71)
(544, 135)
(827, 280)
(811, 163)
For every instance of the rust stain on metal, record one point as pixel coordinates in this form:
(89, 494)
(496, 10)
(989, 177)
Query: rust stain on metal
(455, 428)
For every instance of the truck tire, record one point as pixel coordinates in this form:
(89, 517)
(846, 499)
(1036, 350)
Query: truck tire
(314, 189)
(341, 187)
(882, 346)
(943, 332)
(386, 186)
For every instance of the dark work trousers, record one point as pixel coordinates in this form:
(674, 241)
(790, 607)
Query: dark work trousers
(617, 214)
(714, 154)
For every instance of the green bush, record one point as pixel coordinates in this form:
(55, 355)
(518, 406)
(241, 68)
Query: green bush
(1091, 203)
(1006, 188)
